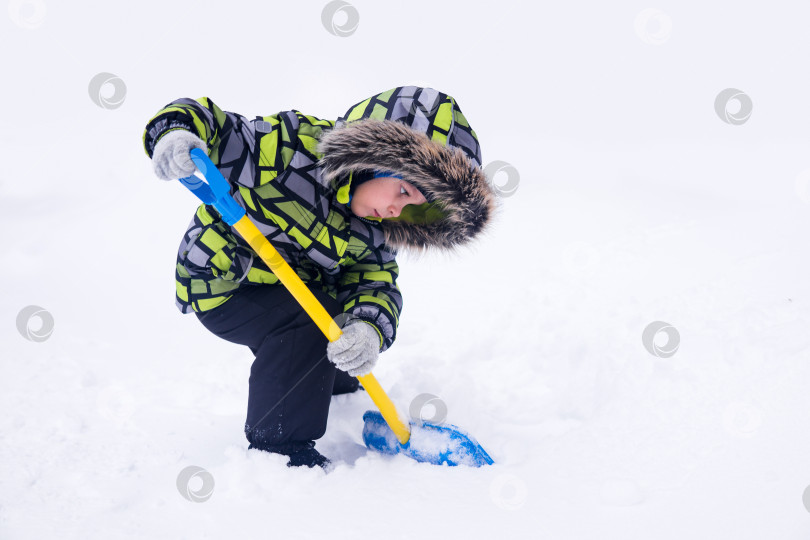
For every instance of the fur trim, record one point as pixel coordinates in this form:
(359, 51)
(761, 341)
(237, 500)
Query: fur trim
(460, 188)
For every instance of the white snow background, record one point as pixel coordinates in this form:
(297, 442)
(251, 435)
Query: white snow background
(636, 203)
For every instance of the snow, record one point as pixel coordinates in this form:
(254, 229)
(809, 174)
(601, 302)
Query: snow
(636, 204)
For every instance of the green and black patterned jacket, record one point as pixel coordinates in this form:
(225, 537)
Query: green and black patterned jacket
(292, 173)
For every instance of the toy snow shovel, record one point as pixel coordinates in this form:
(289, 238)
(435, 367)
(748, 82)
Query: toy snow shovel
(384, 431)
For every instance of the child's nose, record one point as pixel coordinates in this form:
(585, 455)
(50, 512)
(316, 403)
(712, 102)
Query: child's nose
(394, 210)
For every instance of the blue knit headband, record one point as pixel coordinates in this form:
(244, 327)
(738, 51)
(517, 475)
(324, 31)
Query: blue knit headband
(382, 174)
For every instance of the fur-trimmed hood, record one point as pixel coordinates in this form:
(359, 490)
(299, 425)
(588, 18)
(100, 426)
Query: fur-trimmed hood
(421, 135)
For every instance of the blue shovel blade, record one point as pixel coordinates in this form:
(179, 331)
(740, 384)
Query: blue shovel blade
(430, 443)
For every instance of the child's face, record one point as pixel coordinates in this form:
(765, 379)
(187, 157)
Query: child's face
(384, 197)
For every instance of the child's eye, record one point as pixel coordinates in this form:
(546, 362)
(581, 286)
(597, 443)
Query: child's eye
(402, 190)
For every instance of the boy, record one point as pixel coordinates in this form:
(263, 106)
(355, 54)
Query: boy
(337, 199)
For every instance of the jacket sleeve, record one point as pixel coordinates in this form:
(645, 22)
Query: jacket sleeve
(368, 290)
(230, 137)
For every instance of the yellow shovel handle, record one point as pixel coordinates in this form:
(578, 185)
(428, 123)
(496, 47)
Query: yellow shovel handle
(314, 309)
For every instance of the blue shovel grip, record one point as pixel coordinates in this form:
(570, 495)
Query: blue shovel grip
(216, 192)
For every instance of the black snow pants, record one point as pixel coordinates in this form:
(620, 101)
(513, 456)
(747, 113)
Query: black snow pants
(291, 379)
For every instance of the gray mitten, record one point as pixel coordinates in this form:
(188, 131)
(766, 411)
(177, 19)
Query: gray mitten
(356, 351)
(170, 159)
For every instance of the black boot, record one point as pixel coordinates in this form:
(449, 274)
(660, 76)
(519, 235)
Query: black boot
(300, 453)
